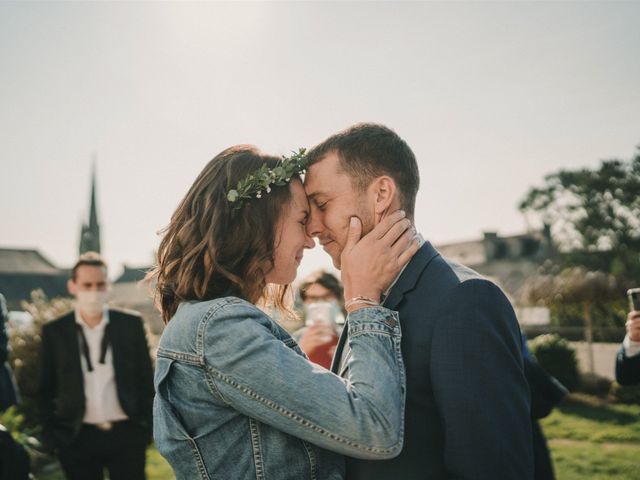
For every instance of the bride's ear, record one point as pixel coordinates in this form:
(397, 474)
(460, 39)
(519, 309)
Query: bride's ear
(384, 192)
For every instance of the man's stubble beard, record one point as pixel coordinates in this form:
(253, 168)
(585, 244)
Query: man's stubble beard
(368, 224)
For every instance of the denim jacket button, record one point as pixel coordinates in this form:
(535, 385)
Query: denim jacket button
(390, 321)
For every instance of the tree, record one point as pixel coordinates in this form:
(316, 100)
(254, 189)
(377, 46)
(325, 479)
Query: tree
(594, 216)
(574, 286)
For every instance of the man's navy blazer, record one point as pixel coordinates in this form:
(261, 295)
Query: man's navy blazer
(467, 412)
(60, 395)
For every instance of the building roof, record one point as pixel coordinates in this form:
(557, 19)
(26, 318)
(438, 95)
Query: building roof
(132, 274)
(18, 286)
(20, 260)
(24, 270)
(470, 253)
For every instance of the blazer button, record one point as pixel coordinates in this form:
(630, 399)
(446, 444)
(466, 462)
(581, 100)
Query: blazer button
(390, 321)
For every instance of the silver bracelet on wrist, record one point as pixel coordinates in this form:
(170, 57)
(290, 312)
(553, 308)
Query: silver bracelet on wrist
(361, 300)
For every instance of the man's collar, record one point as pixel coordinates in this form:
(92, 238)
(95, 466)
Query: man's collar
(385, 294)
(409, 277)
(100, 326)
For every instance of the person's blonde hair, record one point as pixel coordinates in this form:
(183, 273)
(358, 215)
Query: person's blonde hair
(209, 249)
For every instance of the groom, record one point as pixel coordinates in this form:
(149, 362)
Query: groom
(467, 407)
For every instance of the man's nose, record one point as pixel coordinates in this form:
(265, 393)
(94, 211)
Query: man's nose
(314, 225)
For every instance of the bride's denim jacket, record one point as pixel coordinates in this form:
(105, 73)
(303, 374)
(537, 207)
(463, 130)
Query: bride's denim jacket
(237, 399)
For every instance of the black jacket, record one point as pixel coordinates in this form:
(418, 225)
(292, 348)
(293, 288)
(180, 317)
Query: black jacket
(627, 369)
(60, 394)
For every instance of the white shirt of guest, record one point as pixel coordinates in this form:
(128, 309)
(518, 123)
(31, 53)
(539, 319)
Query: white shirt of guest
(631, 348)
(101, 396)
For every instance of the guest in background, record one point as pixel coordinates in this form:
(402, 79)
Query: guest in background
(95, 390)
(14, 459)
(8, 389)
(322, 297)
(628, 358)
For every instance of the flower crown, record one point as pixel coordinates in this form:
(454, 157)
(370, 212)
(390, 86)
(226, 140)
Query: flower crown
(263, 179)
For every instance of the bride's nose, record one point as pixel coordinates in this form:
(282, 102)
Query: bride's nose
(309, 242)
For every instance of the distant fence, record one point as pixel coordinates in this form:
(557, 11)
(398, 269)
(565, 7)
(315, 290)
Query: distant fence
(604, 358)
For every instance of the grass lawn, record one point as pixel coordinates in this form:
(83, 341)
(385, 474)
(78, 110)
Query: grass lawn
(157, 469)
(589, 439)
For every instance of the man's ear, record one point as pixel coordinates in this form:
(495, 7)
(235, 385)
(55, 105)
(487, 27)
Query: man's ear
(383, 191)
(71, 286)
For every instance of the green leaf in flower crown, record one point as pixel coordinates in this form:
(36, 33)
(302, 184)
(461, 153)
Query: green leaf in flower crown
(263, 179)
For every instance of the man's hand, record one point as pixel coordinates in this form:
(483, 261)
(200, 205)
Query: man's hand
(371, 263)
(633, 325)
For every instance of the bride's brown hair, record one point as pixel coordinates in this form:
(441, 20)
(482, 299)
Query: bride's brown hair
(209, 249)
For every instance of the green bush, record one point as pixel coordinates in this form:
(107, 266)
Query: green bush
(626, 394)
(594, 384)
(25, 347)
(14, 423)
(558, 358)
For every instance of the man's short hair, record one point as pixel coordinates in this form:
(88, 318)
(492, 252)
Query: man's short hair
(367, 151)
(92, 259)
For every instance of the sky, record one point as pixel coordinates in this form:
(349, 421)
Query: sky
(491, 97)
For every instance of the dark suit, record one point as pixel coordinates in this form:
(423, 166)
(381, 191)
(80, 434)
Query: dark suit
(8, 388)
(467, 408)
(546, 393)
(60, 395)
(627, 368)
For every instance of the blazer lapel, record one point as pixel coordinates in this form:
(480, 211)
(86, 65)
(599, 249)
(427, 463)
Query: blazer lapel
(405, 283)
(71, 344)
(411, 274)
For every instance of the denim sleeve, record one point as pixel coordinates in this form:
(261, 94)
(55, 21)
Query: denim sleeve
(480, 388)
(258, 375)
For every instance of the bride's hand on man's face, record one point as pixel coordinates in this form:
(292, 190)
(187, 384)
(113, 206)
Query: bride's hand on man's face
(371, 263)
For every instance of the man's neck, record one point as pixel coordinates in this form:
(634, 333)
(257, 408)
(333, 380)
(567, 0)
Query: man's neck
(91, 321)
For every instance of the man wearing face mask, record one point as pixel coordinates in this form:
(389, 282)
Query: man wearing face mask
(95, 388)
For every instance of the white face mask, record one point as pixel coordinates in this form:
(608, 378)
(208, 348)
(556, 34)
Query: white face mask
(321, 312)
(91, 302)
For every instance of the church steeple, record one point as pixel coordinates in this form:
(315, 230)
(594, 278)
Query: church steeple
(90, 234)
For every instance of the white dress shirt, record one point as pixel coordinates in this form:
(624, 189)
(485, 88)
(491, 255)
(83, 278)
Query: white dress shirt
(101, 397)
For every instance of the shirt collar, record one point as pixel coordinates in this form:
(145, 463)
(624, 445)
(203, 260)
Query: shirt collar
(100, 326)
(385, 294)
